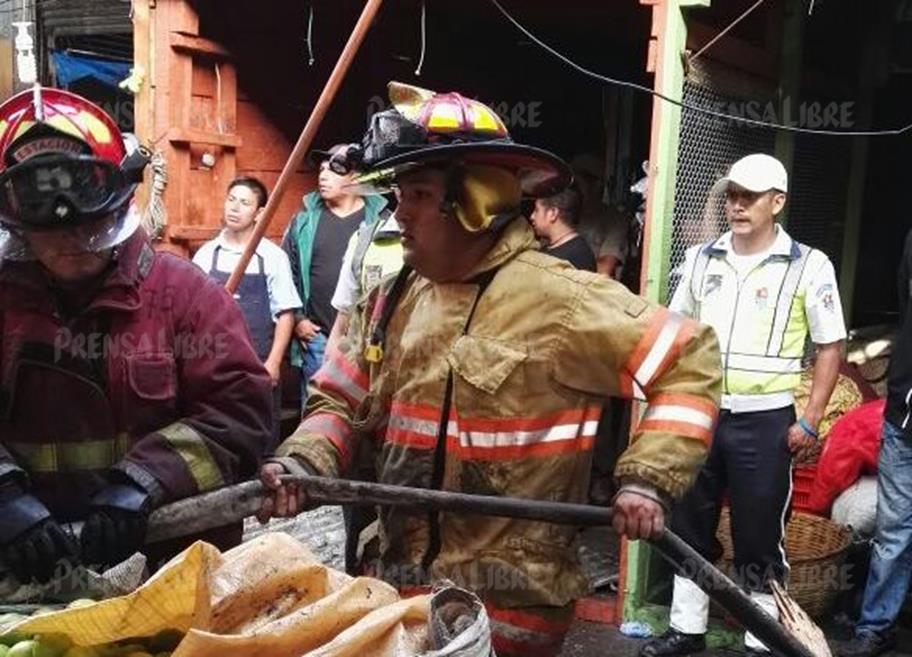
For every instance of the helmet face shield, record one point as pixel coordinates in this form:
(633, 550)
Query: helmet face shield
(105, 232)
(57, 191)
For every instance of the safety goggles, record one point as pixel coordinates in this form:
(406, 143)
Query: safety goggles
(50, 192)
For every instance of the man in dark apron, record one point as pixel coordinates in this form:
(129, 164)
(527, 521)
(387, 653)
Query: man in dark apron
(266, 293)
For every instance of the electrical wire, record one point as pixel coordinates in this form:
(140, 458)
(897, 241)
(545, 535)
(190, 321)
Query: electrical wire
(423, 36)
(310, 23)
(728, 29)
(688, 106)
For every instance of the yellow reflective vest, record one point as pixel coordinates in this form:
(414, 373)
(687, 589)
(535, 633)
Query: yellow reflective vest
(760, 318)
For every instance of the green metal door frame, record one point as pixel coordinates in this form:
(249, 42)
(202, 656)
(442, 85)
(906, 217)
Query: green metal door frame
(670, 39)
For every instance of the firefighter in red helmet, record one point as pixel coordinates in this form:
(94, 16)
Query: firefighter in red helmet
(127, 379)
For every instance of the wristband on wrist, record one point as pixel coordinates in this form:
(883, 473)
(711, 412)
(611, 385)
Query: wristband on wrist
(807, 428)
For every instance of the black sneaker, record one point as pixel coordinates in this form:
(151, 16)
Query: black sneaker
(868, 644)
(674, 643)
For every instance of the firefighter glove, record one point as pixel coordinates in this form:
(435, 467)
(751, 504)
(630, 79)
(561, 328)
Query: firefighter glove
(33, 546)
(115, 527)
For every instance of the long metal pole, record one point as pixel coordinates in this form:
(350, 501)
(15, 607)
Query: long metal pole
(234, 503)
(306, 138)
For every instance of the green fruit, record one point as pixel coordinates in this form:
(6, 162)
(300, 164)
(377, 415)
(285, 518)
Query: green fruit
(4, 650)
(13, 638)
(52, 645)
(23, 649)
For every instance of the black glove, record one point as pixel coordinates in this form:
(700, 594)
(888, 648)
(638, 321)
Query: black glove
(115, 527)
(32, 544)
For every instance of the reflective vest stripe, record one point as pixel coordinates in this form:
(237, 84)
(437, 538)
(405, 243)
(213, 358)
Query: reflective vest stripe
(701, 262)
(772, 362)
(764, 364)
(786, 300)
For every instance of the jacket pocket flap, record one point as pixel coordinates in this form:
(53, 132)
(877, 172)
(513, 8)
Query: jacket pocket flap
(152, 376)
(483, 362)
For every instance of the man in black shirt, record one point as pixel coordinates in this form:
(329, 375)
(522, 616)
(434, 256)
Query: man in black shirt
(554, 221)
(315, 242)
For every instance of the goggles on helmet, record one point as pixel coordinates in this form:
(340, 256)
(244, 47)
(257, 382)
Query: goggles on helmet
(57, 191)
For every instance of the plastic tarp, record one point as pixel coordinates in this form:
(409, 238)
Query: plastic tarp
(856, 507)
(71, 67)
(270, 597)
(850, 451)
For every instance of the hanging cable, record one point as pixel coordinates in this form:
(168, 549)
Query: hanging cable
(688, 106)
(423, 37)
(727, 29)
(310, 23)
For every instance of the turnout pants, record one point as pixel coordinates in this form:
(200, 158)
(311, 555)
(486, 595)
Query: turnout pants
(750, 459)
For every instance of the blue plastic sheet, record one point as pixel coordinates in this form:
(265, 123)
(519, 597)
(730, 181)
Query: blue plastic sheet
(71, 67)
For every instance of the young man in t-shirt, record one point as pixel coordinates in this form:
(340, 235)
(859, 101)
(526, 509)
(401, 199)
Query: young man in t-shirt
(554, 221)
(266, 293)
(315, 242)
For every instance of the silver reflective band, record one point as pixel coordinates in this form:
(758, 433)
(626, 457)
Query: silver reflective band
(767, 364)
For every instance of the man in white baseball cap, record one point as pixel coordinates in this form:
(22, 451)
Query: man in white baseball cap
(763, 293)
(758, 172)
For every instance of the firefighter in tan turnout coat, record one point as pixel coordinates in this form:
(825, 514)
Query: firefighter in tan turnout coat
(481, 368)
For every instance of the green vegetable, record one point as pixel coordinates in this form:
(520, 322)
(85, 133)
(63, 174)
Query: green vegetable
(23, 649)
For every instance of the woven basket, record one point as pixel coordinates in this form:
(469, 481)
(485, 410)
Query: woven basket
(816, 550)
(846, 396)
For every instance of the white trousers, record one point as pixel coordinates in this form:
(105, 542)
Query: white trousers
(690, 610)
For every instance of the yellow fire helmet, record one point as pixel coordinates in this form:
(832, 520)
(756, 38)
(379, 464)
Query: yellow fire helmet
(491, 171)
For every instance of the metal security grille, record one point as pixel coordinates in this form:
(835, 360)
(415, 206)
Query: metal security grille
(819, 181)
(709, 145)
